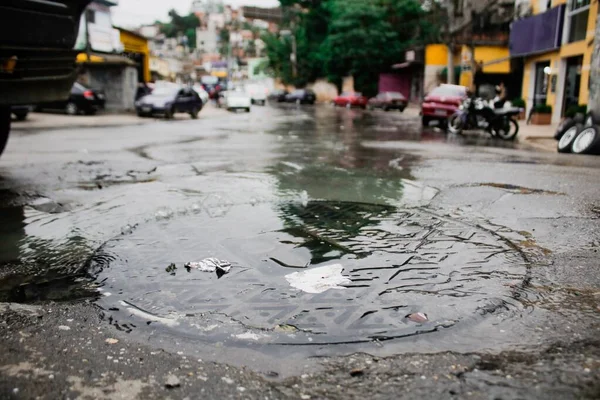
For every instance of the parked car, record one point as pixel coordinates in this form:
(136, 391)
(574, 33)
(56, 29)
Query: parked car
(278, 95)
(441, 103)
(389, 101)
(235, 100)
(20, 112)
(258, 93)
(168, 100)
(204, 96)
(301, 96)
(351, 99)
(37, 60)
(82, 100)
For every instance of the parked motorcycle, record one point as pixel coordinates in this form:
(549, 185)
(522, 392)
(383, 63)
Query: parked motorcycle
(475, 113)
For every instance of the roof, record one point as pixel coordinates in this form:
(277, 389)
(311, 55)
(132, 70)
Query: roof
(131, 32)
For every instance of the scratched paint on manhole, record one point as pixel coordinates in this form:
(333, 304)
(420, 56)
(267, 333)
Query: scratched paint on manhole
(396, 262)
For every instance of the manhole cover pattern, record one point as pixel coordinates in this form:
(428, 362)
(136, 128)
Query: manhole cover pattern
(399, 262)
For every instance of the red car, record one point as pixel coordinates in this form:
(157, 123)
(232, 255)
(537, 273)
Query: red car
(442, 103)
(389, 101)
(351, 99)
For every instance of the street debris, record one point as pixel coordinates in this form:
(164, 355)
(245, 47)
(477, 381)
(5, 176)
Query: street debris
(64, 328)
(319, 280)
(171, 269)
(418, 317)
(286, 328)
(112, 341)
(212, 264)
(357, 372)
(172, 382)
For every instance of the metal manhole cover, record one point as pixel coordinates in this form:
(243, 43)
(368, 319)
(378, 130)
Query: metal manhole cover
(398, 263)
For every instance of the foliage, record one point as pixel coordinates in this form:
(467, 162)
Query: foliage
(573, 110)
(338, 38)
(518, 102)
(181, 25)
(542, 109)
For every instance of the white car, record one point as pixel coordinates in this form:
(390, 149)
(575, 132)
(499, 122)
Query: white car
(202, 93)
(258, 93)
(235, 100)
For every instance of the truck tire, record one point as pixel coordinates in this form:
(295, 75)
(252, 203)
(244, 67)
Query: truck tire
(4, 126)
(587, 141)
(566, 141)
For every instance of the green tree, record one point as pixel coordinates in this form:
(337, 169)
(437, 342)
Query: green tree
(337, 38)
(181, 25)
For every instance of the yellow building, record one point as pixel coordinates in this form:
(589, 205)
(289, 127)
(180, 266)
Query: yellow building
(556, 61)
(135, 46)
(495, 60)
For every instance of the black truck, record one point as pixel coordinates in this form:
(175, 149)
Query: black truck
(37, 60)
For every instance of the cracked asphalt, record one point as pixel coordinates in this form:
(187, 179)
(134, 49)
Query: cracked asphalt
(497, 245)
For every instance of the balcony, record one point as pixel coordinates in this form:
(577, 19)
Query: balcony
(538, 34)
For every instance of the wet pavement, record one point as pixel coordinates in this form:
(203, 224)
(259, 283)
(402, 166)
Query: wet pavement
(368, 257)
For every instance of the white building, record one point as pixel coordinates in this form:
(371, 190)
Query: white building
(207, 40)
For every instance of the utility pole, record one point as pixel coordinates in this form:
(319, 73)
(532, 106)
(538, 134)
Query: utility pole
(450, 42)
(294, 55)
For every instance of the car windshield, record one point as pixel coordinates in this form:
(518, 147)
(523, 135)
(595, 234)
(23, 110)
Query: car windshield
(395, 95)
(351, 94)
(165, 91)
(447, 90)
(298, 92)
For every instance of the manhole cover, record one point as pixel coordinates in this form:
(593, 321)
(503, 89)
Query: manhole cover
(396, 263)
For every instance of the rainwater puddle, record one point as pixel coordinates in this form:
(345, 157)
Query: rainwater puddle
(37, 269)
(384, 265)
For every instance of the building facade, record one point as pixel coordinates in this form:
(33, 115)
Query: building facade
(103, 64)
(556, 44)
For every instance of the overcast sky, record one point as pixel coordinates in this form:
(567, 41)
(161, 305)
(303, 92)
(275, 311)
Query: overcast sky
(132, 13)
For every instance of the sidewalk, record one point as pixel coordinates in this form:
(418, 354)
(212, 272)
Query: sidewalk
(49, 121)
(540, 137)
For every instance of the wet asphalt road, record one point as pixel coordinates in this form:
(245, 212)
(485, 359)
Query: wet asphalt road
(496, 245)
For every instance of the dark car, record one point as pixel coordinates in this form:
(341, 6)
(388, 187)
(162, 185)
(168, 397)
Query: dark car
(301, 96)
(389, 101)
(82, 100)
(169, 100)
(278, 95)
(442, 102)
(37, 60)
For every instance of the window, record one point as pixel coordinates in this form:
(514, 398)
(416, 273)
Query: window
(91, 16)
(458, 8)
(578, 14)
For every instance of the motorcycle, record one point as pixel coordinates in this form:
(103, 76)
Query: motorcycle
(476, 113)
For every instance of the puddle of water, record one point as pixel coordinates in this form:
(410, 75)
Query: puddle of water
(33, 269)
(398, 263)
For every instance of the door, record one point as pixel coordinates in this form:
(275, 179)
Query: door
(540, 93)
(183, 101)
(572, 83)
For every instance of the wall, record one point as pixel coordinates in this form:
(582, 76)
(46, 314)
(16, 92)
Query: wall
(118, 82)
(436, 59)
(594, 95)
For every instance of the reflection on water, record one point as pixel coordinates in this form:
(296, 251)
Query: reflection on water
(33, 268)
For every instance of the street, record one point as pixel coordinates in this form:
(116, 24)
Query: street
(469, 266)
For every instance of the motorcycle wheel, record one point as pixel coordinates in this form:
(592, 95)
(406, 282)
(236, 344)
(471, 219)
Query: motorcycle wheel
(508, 131)
(456, 124)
